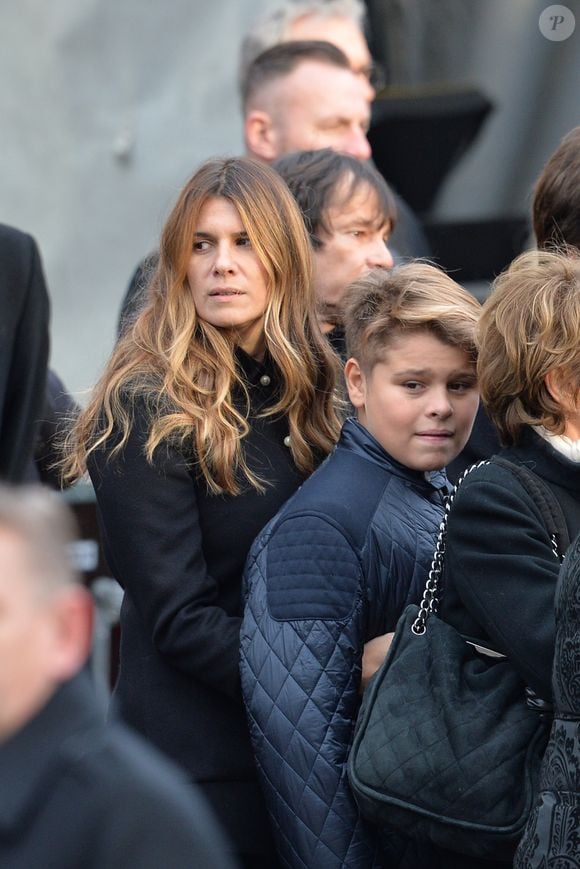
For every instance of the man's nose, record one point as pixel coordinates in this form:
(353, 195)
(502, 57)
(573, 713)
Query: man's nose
(380, 257)
(358, 145)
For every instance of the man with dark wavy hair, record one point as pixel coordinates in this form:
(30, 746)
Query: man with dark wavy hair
(556, 203)
(349, 212)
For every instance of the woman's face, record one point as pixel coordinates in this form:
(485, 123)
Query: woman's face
(228, 282)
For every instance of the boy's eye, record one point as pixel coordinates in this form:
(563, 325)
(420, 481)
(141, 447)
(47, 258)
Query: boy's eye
(412, 385)
(461, 386)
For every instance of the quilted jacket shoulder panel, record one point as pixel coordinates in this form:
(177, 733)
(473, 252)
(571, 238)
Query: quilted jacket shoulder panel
(312, 569)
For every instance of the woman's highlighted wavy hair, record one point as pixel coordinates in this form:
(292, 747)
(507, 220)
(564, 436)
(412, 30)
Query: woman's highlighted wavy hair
(184, 368)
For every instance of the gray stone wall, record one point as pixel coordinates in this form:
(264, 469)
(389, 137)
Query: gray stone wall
(108, 105)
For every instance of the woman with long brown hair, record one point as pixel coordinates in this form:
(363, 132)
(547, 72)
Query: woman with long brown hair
(217, 402)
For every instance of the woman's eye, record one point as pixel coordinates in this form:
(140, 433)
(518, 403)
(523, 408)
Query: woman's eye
(200, 245)
(244, 242)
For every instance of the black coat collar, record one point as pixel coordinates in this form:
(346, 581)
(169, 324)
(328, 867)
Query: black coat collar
(540, 456)
(33, 757)
(253, 370)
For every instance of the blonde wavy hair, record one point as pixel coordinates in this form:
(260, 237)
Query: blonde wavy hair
(185, 369)
(530, 326)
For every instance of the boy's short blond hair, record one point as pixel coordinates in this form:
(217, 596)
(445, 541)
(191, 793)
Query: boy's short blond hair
(383, 305)
(530, 325)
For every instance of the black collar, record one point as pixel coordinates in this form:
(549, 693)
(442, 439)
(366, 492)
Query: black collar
(540, 456)
(253, 370)
(33, 757)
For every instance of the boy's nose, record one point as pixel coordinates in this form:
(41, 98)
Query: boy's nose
(440, 405)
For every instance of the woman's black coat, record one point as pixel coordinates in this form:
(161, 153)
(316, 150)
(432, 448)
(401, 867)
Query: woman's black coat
(179, 553)
(552, 836)
(500, 570)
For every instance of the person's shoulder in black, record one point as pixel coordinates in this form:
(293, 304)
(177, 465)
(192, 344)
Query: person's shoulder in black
(24, 314)
(79, 794)
(136, 290)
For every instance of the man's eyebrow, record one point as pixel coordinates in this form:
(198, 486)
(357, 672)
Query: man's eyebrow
(370, 222)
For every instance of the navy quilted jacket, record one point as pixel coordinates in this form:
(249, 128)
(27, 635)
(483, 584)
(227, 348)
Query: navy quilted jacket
(332, 570)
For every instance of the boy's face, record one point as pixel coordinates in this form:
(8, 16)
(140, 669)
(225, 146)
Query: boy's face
(419, 402)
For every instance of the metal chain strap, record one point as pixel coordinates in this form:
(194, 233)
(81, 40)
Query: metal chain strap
(430, 599)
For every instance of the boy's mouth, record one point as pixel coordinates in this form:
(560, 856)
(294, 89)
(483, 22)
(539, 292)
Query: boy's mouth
(436, 434)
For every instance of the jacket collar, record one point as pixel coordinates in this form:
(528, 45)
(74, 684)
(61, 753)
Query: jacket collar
(540, 456)
(34, 756)
(357, 439)
(253, 370)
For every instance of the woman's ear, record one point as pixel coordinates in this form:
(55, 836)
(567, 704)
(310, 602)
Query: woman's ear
(355, 383)
(558, 387)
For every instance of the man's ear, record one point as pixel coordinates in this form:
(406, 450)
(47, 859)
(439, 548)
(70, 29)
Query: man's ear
(73, 628)
(355, 383)
(260, 136)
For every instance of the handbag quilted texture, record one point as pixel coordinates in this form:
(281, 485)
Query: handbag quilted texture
(400, 773)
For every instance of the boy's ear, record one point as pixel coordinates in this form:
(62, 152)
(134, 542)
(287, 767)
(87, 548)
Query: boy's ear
(355, 383)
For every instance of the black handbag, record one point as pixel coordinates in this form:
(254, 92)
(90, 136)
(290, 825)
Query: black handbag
(448, 744)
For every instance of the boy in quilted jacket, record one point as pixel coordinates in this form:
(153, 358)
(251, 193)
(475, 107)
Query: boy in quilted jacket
(329, 576)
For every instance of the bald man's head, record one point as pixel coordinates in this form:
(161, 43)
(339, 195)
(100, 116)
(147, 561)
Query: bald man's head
(304, 96)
